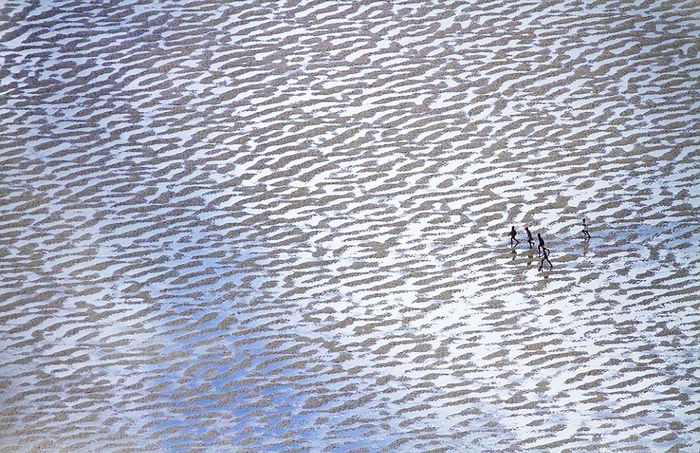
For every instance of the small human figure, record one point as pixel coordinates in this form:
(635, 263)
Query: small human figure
(586, 234)
(513, 238)
(540, 247)
(529, 237)
(545, 256)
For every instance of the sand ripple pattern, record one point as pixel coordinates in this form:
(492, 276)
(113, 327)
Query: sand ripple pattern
(281, 226)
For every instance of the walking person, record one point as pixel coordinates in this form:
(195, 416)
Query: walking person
(540, 247)
(529, 237)
(545, 257)
(513, 238)
(585, 232)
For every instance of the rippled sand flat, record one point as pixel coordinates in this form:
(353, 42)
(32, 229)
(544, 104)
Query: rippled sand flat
(282, 226)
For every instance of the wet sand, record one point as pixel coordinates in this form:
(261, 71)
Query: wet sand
(283, 226)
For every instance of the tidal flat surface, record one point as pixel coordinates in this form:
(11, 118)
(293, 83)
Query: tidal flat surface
(282, 226)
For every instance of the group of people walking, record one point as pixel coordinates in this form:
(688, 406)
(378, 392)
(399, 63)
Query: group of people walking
(542, 251)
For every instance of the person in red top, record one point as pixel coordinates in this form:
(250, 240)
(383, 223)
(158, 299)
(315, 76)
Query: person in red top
(512, 237)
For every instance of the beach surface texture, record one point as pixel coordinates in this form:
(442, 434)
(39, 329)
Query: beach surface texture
(283, 226)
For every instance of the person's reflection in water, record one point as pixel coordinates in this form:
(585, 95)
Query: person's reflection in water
(585, 247)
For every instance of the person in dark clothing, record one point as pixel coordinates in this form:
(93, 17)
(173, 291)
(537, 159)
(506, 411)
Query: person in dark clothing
(545, 256)
(540, 247)
(529, 237)
(586, 234)
(513, 238)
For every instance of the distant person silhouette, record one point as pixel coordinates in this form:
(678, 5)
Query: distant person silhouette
(540, 247)
(585, 230)
(529, 237)
(545, 257)
(512, 237)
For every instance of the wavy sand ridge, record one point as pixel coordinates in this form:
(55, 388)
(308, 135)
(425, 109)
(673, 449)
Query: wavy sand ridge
(282, 226)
